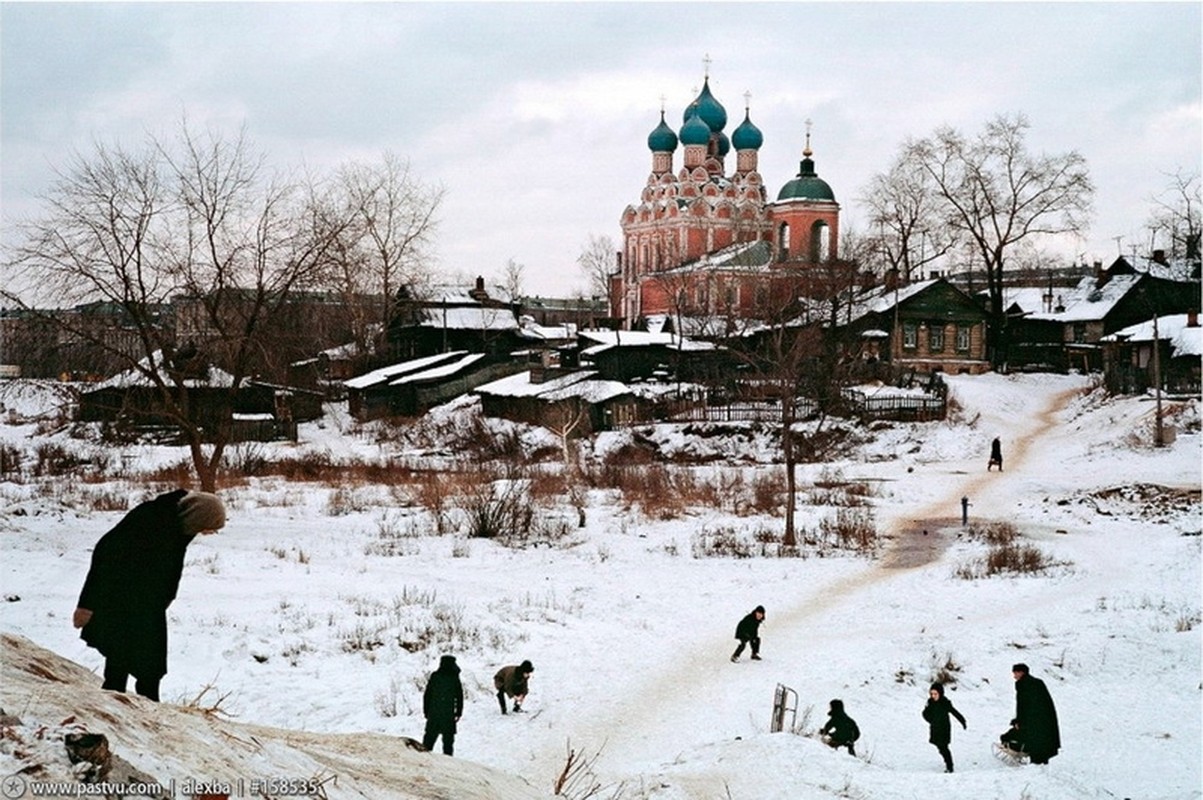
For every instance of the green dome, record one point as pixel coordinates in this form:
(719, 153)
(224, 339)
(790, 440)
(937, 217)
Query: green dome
(747, 136)
(695, 131)
(710, 110)
(723, 144)
(807, 186)
(662, 139)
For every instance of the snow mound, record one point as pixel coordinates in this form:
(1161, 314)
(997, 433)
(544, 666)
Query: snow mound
(174, 745)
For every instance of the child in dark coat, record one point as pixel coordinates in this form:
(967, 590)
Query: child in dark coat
(513, 680)
(840, 729)
(748, 632)
(443, 705)
(937, 712)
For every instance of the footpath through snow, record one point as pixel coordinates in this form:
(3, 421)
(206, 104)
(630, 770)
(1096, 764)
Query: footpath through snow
(661, 702)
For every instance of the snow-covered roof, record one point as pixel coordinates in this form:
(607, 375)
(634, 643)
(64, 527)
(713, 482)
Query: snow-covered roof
(441, 371)
(591, 391)
(471, 318)
(520, 385)
(1184, 339)
(607, 339)
(215, 377)
(1172, 269)
(529, 329)
(1088, 301)
(583, 384)
(742, 257)
(880, 299)
(1028, 299)
(394, 371)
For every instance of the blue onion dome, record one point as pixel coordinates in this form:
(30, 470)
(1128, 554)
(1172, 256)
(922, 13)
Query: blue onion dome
(724, 144)
(747, 136)
(662, 139)
(710, 110)
(695, 131)
(807, 185)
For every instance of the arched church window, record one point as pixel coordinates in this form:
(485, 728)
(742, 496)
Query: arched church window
(783, 242)
(820, 241)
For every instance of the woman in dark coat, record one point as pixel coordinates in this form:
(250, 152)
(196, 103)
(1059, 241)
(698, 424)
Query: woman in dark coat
(1035, 715)
(937, 712)
(134, 577)
(840, 729)
(443, 705)
(995, 455)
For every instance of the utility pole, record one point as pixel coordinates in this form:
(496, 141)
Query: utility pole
(1158, 429)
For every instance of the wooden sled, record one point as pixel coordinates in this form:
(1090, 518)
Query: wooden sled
(1012, 758)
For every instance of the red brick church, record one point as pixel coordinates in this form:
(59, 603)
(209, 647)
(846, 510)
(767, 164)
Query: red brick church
(703, 242)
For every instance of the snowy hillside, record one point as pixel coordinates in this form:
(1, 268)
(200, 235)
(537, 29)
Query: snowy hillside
(323, 608)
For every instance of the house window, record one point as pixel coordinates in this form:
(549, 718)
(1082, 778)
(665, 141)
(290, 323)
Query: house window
(1079, 332)
(732, 297)
(910, 336)
(963, 338)
(935, 337)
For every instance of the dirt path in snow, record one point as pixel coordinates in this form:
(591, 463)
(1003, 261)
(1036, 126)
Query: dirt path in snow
(666, 698)
(921, 538)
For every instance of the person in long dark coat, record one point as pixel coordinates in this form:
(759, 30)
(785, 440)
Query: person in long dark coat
(748, 632)
(513, 680)
(443, 705)
(937, 712)
(995, 455)
(840, 729)
(134, 577)
(1035, 715)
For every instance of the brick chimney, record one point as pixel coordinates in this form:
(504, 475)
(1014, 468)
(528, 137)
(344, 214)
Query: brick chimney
(478, 293)
(1192, 318)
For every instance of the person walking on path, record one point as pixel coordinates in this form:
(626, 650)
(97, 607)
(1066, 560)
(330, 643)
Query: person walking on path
(748, 632)
(134, 576)
(840, 729)
(443, 705)
(1035, 715)
(995, 455)
(937, 712)
(515, 682)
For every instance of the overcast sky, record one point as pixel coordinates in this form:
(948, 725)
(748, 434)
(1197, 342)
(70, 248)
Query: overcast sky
(534, 117)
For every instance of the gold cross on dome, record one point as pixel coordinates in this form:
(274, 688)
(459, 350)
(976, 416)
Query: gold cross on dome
(706, 64)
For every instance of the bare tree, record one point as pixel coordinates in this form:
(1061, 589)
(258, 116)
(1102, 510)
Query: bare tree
(1176, 215)
(905, 209)
(997, 194)
(512, 279)
(598, 261)
(393, 220)
(197, 223)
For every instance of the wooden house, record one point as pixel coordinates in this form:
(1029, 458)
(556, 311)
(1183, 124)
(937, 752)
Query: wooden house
(253, 410)
(925, 327)
(1068, 336)
(410, 388)
(1169, 348)
(571, 404)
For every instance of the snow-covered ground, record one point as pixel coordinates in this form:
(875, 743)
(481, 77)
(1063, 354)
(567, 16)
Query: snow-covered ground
(312, 608)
